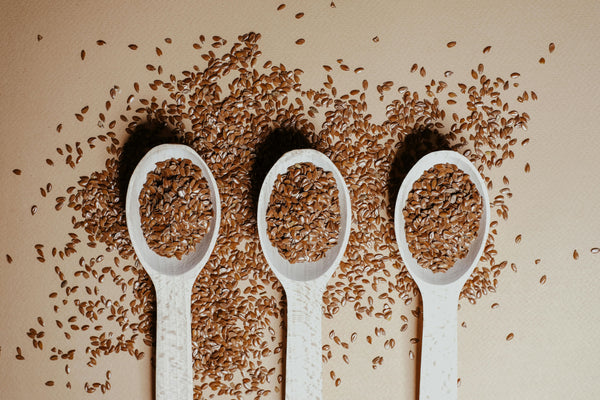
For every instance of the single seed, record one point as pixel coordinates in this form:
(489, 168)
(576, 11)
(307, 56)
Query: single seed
(575, 255)
(542, 60)
(518, 238)
(510, 336)
(451, 44)
(543, 279)
(16, 171)
(551, 47)
(300, 41)
(487, 49)
(83, 54)
(299, 15)
(100, 42)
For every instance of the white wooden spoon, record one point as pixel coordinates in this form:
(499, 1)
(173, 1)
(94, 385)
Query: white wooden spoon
(172, 278)
(440, 291)
(304, 283)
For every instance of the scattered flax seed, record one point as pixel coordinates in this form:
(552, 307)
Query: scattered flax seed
(300, 41)
(375, 39)
(83, 54)
(575, 255)
(17, 171)
(537, 261)
(422, 72)
(543, 279)
(542, 60)
(100, 42)
(525, 142)
(332, 4)
(451, 44)
(515, 75)
(168, 40)
(448, 73)
(495, 305)
(487, 49)
(133, 46)
(49, 162)
(518, 238)
(551, 47)
(34, 209)
(510, 336)
(49, 383)
(595, 250)
(39, 37)
(527, 167)
(59, 128)
(414, 68)
(9, 258)
(513, 266)
(358, 70)
(79, 117)
(280, 7)
(158, 51)
(299, 15)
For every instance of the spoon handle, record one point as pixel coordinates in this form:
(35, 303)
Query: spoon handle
(439, 346)
(303, 363)
(173, 374)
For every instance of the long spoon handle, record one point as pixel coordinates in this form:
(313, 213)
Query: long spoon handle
(303, 363)
(439, 346)
(173, 340)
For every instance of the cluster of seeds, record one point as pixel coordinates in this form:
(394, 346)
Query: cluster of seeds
(303, 217)
(442, 215)
(226, 110)
(175, 207)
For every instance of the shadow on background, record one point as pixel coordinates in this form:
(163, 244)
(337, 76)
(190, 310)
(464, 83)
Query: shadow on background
(143, 138)
(276, 144)
(416, 145)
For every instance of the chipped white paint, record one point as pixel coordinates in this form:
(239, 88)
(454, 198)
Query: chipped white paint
(440, 291)
(172, 278)
(304, 283)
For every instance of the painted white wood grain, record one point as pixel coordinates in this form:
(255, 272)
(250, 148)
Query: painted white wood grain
(304, 283)
(172, 278)
(440, 291)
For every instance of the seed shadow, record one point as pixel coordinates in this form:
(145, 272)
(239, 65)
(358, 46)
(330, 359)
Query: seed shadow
(276, 144)
(141, 139)
(415, 145)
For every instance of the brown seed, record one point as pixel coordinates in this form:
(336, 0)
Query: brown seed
(100, 42)
(58, 128)
(595, 250)
(495, 305)
(510, 336)
(414, 68)
(300, 41)
(551, 47)
(575, 255)
(280, 7)
(487, 49)
(39, 37)
(9, 258)
(299, 15)
(518, 238)
(49, 383)
(451, 44)
(17, 171)
(83, 54)
(133, 46)
(375, 39)
(543, 279)
(527, 167)
(34, 209)
(542, 60)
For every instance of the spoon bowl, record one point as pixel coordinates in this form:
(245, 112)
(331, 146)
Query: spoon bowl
(440, 291)
(172, 278)
(305, 282)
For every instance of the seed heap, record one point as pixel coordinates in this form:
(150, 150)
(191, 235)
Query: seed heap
(175, 207)
(225, 107)
(442, 215)
(303, 217)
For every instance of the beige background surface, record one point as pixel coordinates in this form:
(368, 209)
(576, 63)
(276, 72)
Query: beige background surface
(555, 351)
